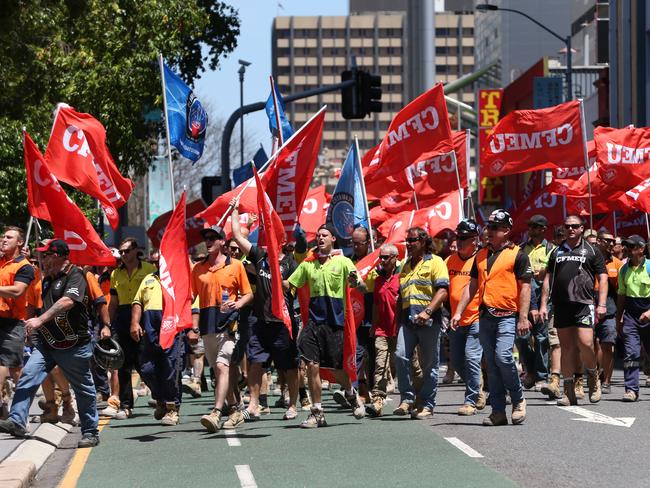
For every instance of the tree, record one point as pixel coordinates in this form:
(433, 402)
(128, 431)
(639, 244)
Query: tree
(101, 58)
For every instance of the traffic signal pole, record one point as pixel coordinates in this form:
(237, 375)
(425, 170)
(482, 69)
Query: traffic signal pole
(255, 107)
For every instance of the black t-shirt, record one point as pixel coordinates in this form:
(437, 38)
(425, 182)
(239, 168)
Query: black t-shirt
(71, 327)
(574, 272)
(262, 303)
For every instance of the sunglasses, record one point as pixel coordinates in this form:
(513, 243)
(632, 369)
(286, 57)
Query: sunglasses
(125, 251)
(211, 238)
(536, 226)
(48, 253)
(413, 239)
(466, 238)
(495, 227)
(234, 248)
(385, 257)
(572, 226)
(609, 241)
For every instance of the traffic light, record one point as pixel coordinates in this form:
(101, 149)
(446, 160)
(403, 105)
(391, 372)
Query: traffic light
(361, 98)
(210, 188)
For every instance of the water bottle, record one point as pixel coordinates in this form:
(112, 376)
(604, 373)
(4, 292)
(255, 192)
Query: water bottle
(224, 297)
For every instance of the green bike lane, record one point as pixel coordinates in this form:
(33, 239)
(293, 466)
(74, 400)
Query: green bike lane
(393, 451)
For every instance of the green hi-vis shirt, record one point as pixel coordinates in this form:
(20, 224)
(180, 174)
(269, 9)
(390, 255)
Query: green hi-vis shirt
(634, 281)
(326, 287)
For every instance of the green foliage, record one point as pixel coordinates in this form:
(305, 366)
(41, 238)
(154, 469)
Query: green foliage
(101, 57)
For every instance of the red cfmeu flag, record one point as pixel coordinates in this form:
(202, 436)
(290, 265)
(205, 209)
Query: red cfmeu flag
(48, 201)
(541, 202)
(418, 132)
(175, 278)
(350, 335)
(528, 140)
(272, 233)
(638, 197)
(314, 211)
(430, 177)
(77, 155)
(287, 178)
(628, 146)
(441, 215)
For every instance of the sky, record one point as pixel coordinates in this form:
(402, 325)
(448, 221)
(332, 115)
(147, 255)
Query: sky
(221, 87)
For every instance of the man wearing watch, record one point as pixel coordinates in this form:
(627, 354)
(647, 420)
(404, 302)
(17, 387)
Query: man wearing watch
(572, 270)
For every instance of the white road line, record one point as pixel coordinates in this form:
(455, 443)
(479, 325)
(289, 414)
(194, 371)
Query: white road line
(245, 475)
(231, 438)
(455, 441)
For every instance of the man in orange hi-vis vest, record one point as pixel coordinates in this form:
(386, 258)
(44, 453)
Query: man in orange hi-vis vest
(501, 276)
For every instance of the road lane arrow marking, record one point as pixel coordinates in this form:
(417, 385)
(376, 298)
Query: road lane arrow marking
(599, 418)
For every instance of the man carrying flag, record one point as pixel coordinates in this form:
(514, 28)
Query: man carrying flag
(322, 340)
(270, 338)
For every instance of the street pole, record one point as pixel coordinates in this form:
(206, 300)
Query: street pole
(242, 70)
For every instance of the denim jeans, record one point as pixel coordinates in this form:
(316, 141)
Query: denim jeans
(428, 337)
(466, 351)
(634, 334)
(75, 364)
(535, 359)
(497, 336)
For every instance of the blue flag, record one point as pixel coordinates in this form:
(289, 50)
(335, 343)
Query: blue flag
(243, 173)
(287, 130)
(187, 118)
(348, 209)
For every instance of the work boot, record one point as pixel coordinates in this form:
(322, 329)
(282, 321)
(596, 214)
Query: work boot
(569, 397)
(466, 410)
(235, 419)
(316, 419)
(88, 441)
(192, 387)
(481, 401)
(403, 409)
(171, 415)
(374, 409)
(160, 410)
(552, 388)
(519, 412)
(68, 413)
(579, 386)
(212, 421)
(112, 408)
(50, 413)
(593, 383)
(496, 419)
(630, 396)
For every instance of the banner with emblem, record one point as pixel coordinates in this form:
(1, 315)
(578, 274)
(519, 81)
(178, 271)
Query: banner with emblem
(186, 117)
(528, 140)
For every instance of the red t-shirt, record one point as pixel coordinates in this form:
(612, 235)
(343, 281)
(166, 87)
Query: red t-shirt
(385, 299)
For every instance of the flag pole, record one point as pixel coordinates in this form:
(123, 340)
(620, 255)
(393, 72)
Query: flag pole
(29, 232)
(37, 233)
(647, 225)
(268, 162)
(614, 217)
(277, 114)
(470, 203)
(460, 188)
(169, 142)
(363, 191)
(586, 156)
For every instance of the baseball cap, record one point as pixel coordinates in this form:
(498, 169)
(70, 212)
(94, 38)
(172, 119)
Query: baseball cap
(538, 220)
(214, 229)
(500, 217)
(467, 227)
(635, 240)
(56, 246)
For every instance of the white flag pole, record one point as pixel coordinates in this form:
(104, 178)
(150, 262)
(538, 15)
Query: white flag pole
(277, 114)
(586, 156)
(363, 191)
(460, 188)
(647, 225)
(268, 163)
(29, 232)
(169, 142)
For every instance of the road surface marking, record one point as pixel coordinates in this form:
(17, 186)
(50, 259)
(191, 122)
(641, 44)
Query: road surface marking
(599, 418)
(233, 441)
(78, 462)
(245, 475)
(455, 441)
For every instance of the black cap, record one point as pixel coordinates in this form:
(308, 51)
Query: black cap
(329, 228)
(539, 220)
(635, 240)
(56, 246)
(467, 228)
(500, 217)
(214, 229)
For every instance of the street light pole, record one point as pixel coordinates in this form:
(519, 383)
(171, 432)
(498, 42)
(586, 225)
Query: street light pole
(242, 71)
(487, 7)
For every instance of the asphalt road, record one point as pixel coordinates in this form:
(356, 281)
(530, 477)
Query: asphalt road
(551, 448)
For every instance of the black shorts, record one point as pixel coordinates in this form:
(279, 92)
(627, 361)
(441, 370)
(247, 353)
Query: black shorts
(322, 344)
(12, 342)
(573, 315)
(271, 341)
